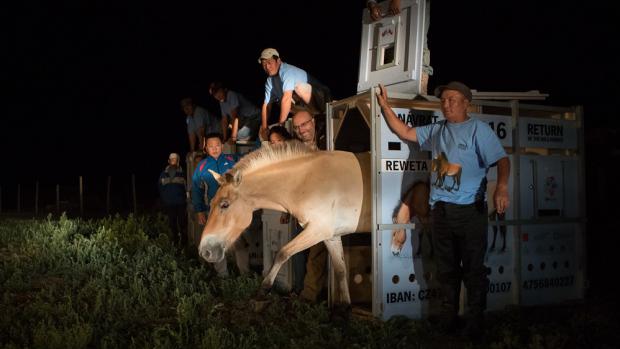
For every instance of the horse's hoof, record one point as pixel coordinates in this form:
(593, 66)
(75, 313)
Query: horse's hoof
(262, 293)
(259, 305)
(341, 313)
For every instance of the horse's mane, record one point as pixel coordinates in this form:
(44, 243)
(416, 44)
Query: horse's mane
(267, 155)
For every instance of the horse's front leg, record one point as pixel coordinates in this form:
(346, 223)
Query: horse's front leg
(309, 237)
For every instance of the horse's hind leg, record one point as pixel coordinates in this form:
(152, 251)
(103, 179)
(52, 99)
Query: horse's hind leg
(336, 252)
(341, 307)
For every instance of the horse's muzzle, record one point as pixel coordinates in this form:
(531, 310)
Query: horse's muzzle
(212, 251)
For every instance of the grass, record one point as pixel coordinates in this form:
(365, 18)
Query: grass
(119, 283)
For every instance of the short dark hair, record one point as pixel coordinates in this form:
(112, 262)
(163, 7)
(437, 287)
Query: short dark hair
(214, 135)
(187, 101)
(216, 86)
(281, 130)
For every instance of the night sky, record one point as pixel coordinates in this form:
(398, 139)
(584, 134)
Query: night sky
(95, 86)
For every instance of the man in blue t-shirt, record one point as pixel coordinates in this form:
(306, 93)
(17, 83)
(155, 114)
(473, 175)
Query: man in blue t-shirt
(288, 84)
(238, 113)
(463, 149)
(199, 122)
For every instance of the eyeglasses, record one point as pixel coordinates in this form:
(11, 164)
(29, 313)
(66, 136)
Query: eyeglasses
(303, 124)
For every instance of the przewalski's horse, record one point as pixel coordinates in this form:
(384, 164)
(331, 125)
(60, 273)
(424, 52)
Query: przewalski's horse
(414, 204)
(444, 168)
(327, 191)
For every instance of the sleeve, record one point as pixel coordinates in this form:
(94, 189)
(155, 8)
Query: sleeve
(198, 192)
(160, 185)
(201, 117)
(424, 136)
(291, 76)
(488, 145)
(268, 88)
(190, 125)
(233, 100)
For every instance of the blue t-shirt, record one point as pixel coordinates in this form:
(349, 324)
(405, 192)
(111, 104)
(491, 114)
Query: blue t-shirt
(202, 118)
(473, 145)
(245, 109)
(288, 77)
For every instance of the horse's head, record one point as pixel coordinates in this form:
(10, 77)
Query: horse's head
(439, 161)
(399, 237)
(230, 214)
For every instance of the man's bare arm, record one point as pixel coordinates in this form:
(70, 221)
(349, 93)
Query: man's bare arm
(397, 125)
(501, 197)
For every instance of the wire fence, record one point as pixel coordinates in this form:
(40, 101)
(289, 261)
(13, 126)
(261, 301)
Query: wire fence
(80, 197)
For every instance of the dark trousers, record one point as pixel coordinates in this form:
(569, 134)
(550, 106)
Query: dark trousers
(460, 241)
(177, 219)
(320, 96)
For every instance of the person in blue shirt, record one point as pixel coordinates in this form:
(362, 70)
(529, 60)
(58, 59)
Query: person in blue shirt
(173, 199)
(288, 85)
(199, 122)
(238, 113)
(203, 180)
(463, 149)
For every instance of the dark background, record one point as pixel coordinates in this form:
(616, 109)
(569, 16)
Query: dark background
(95, 85)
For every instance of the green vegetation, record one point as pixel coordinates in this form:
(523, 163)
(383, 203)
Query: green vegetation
(119, 283)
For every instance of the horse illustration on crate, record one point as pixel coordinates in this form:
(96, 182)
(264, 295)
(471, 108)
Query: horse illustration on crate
(414, 204)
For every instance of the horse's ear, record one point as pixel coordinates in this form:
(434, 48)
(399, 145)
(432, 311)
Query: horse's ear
(217, 177)
(236, 178)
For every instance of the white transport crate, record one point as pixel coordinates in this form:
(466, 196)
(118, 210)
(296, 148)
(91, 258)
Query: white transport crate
(275, 235)
(392, 48)
(404, 283)
(552, 263)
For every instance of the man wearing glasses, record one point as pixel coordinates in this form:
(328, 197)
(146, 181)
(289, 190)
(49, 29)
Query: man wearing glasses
(310, 130)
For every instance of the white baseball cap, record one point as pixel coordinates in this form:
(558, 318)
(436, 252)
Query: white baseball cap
(174, 155)
(268, 53)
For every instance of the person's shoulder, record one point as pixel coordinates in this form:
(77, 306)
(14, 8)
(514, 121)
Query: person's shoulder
(230, 157)
(203, 164)
(479, 123)
(201, 111)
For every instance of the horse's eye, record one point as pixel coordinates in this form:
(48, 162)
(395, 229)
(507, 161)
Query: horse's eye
(224, 204)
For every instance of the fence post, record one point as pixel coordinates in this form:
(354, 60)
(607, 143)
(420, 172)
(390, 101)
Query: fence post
(133, 190)
(81, 197)
(36, 199)
(58, 199)
(19, 198)
(107, 196)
